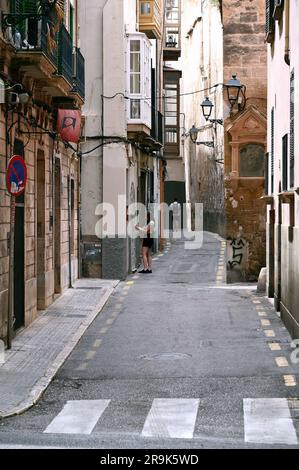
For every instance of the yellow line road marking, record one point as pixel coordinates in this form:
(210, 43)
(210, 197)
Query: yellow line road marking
(265, 323)
(103, 331)
(269, 333)
(256, 301)
(281, 361)
(130, 283)
(82, 367)
(290, 380)
(275, 347)
(91, 354)
(97, 343)
(110, 321)
(262, 314)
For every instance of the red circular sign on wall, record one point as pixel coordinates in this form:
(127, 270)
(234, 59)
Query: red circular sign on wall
(16, 176)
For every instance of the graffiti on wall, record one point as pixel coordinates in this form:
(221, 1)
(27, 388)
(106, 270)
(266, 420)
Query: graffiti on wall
(237, 253)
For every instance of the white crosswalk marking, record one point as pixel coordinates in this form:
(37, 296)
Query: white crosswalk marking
(268, 421)
(171, 418)
(78, 417)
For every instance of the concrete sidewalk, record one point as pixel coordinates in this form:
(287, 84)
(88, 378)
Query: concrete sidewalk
(40, 350)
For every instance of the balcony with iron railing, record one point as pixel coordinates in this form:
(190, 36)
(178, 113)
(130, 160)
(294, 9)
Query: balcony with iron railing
(47, 56)
(30, 34)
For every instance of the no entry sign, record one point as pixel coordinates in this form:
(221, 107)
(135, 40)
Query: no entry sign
(16, 176)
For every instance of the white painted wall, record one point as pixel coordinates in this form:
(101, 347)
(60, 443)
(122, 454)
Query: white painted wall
(279, 98)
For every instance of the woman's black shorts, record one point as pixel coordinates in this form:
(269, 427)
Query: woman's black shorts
(148, 242)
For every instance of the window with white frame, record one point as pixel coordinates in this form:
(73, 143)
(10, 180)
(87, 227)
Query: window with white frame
(139, 79)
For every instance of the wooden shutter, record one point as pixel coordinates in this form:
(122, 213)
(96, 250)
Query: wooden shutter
(270, 22)
(292, 130)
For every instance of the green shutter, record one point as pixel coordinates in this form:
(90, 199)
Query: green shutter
(23, 6)
(29, 6)
(16, 6)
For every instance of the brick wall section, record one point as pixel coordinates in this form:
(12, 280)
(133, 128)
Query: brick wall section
(245, 54)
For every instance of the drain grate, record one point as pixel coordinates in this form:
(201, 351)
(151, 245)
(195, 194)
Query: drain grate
(165, 356)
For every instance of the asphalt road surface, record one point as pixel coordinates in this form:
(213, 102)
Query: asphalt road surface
(177, 359)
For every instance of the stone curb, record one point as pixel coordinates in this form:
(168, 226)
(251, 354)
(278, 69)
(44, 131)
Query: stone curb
(42, 384)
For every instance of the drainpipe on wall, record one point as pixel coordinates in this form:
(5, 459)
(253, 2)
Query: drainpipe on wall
(287, 32)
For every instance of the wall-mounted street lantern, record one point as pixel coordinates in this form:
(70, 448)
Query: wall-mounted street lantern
(207, 108)
(235, 92)
(193, 133)
(235, 95)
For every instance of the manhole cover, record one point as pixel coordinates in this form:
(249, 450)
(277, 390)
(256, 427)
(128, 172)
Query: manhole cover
(165, 356)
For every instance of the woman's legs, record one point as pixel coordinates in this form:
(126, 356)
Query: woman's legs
(149, 259)
(145, 251)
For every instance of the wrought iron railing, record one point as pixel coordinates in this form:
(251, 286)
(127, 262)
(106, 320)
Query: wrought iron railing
(157, 132)
(65, 55)
(79, 72)
(30, 33)
(33, 33)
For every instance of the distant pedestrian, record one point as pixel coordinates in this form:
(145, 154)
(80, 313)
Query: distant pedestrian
(147, 244)
(175, 207)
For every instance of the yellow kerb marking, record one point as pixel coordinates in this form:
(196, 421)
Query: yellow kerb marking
(269, 333)
(130, 283)
(275, 347)
(281, 361)
(91, 354)
(290, 380)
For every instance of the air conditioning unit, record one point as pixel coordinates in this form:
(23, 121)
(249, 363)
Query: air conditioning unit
(278, 9)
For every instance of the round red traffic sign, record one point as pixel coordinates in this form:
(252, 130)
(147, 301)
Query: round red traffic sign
(16, 176)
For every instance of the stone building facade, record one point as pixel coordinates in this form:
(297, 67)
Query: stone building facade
(245, 132)
(38, 80)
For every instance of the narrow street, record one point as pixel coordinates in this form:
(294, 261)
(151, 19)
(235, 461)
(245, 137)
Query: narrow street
(177, 359)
